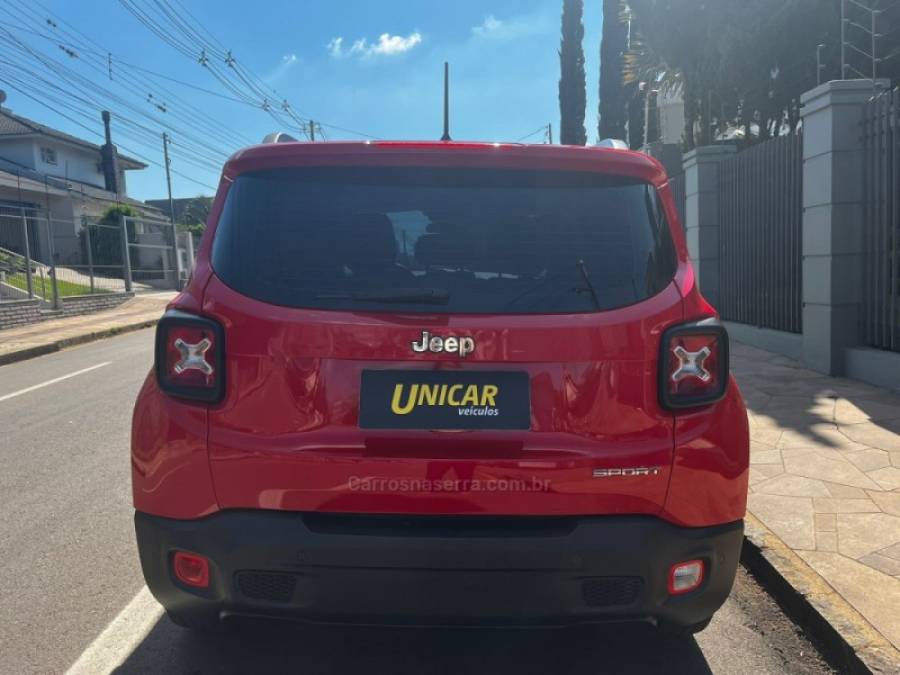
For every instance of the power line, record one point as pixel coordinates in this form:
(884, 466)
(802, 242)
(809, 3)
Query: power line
(543, 129)
(348, 131)
(97, 61)
(90, 88)
(166, 34)
(81, 94)
(192, 31)
(44, 87)
(86, 110)
(96, 133)
(136, 89)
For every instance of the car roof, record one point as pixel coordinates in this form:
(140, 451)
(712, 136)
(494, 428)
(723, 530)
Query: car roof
(447, 154)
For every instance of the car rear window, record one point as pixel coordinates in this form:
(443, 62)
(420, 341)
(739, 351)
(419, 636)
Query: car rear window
(443, 240)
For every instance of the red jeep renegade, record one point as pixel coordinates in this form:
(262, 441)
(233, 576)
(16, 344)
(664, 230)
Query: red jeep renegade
(441, 383)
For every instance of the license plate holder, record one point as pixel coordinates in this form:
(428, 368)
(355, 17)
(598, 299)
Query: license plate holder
(471, 400)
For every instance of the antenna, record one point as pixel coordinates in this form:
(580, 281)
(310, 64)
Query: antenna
(446, 136)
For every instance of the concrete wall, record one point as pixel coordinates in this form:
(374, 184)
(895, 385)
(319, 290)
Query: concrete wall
(19, 313)
(780, 342)
(701, 176)
(20, 151)
(76, 164)
(88, 304)
(833, 186)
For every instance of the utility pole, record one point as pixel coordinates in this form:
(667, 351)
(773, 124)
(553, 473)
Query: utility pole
(550, 133)
(446, 136)
(312, 131)
(165, 138)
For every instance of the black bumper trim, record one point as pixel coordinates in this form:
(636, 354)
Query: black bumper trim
(436, 573)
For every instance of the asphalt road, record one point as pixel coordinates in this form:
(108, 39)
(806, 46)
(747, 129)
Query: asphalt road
(71, 590)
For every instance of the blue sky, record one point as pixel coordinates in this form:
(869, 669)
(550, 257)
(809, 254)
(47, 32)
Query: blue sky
(373, 67)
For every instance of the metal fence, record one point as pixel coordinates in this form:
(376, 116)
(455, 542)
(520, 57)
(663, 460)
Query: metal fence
(881, 231)
(760, 235)
(51, 258)
(152, 253)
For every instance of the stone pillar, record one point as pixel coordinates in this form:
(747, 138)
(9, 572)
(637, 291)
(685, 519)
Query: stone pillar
(833, 192)
(701, 221)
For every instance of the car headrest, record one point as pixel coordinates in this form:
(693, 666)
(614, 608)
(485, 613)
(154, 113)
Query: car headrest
(442, 250)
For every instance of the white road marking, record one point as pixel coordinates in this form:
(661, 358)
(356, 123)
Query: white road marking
(53, 381)
(121, 637)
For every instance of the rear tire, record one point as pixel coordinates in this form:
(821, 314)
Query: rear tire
(679, 632)
(204, 623)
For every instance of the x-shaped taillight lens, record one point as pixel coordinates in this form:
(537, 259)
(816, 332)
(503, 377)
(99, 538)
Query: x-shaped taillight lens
(193, 356)
(190, 356)
(693, 365)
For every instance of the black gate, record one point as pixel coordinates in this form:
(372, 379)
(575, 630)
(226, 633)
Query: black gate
(760, 235)
(881, 306)
(677, 185)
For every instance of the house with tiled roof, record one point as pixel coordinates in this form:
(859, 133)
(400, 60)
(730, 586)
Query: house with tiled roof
(46, 171)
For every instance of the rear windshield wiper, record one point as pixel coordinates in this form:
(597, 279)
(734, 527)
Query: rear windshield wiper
(429, 296)
(590, 284)
(588, 287)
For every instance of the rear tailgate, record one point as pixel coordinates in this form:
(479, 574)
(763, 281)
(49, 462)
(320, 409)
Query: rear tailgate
(327, 276)
(288, 434)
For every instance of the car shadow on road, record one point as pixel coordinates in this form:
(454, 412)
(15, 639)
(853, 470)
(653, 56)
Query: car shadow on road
(274, 647)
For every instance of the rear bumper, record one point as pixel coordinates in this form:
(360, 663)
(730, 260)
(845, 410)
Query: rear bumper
(441, 570)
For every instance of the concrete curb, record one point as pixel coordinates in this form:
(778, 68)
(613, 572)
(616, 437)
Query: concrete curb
(50, 347)
(842, 634)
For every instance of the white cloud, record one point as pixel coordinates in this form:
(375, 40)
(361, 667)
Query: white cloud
(490, 25)
(395, 44)
(336, 47)
(522, 26)
(387, 45)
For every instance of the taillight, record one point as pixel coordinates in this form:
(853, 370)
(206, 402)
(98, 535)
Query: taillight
(686, 577)
(693, 365)
(191, 569)
(190, 357)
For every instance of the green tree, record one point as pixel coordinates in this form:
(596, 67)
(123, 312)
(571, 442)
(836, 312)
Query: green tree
(572, 93)
(195, 214)
(737, 63)
(614, 42)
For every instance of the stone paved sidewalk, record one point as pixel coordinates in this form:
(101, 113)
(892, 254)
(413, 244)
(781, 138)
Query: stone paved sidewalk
(825, 477)
(45, 336)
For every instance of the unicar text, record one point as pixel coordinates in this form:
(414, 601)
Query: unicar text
(471, 399)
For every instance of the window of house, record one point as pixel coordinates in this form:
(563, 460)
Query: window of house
(48, 156)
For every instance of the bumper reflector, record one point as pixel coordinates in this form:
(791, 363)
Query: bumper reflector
(685, 577)
(191, 569)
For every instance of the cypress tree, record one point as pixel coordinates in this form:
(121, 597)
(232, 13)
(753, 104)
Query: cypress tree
(613, 104)
(572, 94)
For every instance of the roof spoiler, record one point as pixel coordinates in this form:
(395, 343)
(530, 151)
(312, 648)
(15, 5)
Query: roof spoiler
(279, 137)
(613, 143)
